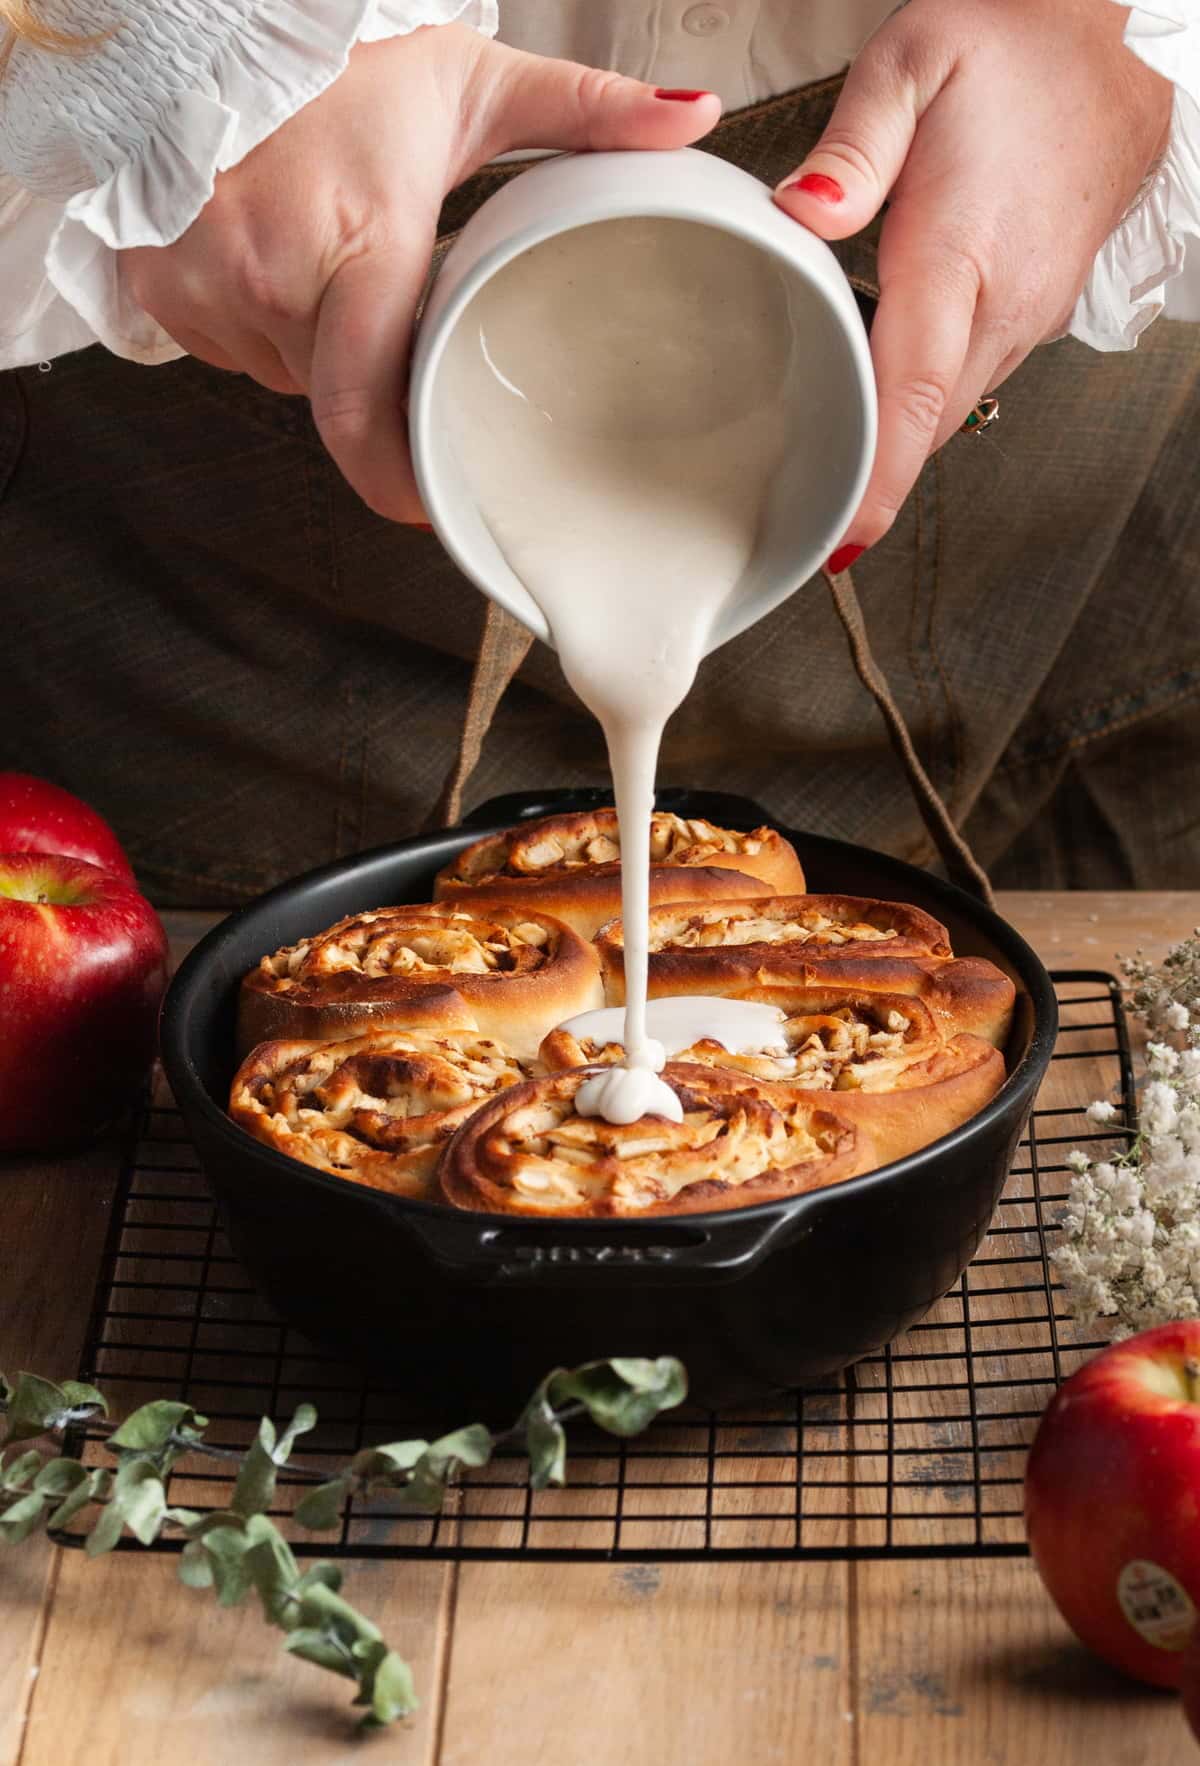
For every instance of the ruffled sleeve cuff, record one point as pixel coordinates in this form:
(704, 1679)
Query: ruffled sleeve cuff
(286, 54)
(1127, 289)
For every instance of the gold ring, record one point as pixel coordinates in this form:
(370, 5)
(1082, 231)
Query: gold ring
(986, 412)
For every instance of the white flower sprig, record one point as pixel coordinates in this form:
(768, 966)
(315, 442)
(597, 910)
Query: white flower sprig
(1131, 1228)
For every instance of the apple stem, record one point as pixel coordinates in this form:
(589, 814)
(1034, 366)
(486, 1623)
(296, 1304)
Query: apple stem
(42, 899)
(1191, 1374)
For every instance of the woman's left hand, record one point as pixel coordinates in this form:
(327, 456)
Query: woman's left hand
(1010, 137)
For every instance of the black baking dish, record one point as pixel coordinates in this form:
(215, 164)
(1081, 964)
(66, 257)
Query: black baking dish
(469, 1310)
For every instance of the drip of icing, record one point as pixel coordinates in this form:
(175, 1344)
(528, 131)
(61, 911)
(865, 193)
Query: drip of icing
(618, 402)
(743, 1027)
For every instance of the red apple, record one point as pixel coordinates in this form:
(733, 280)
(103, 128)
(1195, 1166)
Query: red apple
(83, 964)
(36, 816)
(1112, 1501)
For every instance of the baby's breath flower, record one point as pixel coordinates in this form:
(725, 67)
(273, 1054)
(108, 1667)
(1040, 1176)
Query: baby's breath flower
(1130, 1247)
(1101, 1111)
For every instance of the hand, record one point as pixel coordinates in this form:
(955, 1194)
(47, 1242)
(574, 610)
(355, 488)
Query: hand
(1012, 137)
(305, 268)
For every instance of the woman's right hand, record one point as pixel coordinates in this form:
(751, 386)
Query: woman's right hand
(305, 268)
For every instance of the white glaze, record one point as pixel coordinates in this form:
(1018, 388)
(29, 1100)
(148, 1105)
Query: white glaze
(618, 405)
(743, 1027)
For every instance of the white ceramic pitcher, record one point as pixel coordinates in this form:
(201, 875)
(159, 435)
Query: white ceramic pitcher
(818, 490)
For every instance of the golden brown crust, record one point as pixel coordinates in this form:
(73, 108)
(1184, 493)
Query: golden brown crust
(741, 1142)
(377, 1109)
(836, 1041)
(569, 865)
(781, 936)
(503, 971)
(966, 995)
(927, 1099)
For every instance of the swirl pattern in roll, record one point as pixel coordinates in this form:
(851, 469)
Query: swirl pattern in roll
(569, 865)
(884, 1056)
(376, 1109)
(741, 1141)
(507, 972)
(736, 949)
(834, 1042)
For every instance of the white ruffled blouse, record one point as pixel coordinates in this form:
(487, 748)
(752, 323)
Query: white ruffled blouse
(121, 146)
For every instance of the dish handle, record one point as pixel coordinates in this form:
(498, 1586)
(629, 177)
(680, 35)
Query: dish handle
(661, 1253)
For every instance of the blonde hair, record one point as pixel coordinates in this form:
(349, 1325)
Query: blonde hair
(20, 23)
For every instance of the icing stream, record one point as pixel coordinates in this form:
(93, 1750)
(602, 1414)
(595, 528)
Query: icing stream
(618, 400)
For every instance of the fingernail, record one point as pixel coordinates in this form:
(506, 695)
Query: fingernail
(818, 185)
(843, 558)
(679, 93)
(422, 526)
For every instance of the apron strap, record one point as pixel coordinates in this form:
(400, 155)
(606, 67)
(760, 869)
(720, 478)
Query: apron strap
(503, 648)
(961, 864)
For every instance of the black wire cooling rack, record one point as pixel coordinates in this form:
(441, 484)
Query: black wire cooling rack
(915, 1452)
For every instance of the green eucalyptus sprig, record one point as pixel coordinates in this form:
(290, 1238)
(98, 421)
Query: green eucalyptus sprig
(239, 1549)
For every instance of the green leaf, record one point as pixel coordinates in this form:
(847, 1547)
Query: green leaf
(19, 1520)
(152, 1426)
(94, 1488)
(107, 1531)
(195, 1565)
(32, 1406)
(272, 1568)
(322, 1606)
(58, 1477)
(386, 1468)
(227, 1547)
(139, 1496)
(18, 1473)
(391, 1692)
(545, 1442)
(314, 1644)
(81, 1397)
(321, 1574)
(321, 1507)
(624, 1395)
(188, 1519)
(256, 1477)
(471, 1446)
(304, 1419)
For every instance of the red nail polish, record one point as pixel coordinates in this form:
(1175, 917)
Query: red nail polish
(818, 185)
(679, 93)
(843, 558)
(422, 526)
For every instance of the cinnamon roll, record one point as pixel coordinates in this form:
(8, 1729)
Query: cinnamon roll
(503, 971)
(738, 939)
(739, 949)
(828, 1041)
(740, 1142)
(376, 1109)
(883, 1055)
(569, 865)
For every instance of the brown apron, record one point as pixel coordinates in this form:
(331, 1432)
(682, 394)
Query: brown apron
(215, 641)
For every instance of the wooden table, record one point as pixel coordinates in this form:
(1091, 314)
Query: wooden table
(926, 1663)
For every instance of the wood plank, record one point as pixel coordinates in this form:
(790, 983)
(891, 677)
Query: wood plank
(56, 1215)
(574, 1665)
(138, 1670)
(966, 1663)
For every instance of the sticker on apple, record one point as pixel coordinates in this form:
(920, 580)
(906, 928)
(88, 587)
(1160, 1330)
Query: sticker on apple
(1155, 1604)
